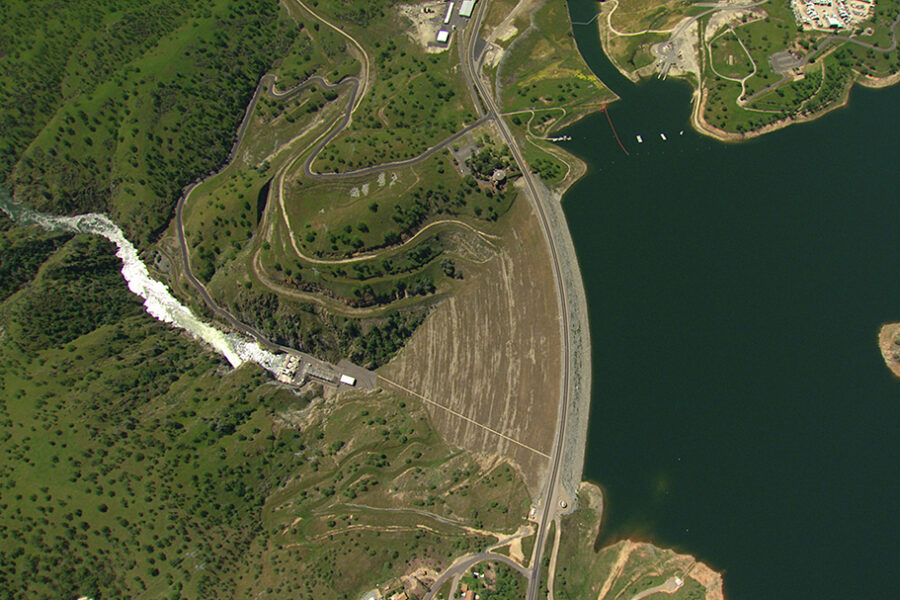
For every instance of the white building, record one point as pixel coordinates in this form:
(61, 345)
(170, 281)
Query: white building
(449, 13)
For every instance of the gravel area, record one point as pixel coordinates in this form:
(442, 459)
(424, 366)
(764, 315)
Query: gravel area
(579, 355)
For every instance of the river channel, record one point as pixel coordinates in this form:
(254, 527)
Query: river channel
(741, 410)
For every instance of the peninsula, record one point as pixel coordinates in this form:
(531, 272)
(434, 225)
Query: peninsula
(352, 357)
(756, 66)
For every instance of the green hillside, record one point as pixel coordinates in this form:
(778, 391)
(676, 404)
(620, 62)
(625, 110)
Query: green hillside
(114, 106)
(136, 464)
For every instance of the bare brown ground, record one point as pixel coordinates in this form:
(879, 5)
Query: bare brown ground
(491, 355)
(709, 579)
(879, 82)
(637, 560)
(890, 350)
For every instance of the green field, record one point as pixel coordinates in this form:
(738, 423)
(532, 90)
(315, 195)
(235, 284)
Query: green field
(728, 56)
(544, 69)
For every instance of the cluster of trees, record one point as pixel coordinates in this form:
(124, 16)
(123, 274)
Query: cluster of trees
(379, 344)
(22, 255)
(547, 169)
(413, 260)
(367, 295)
(39, 73)
(487, 160)
(837, 80)
(79, 279)
(75, 164)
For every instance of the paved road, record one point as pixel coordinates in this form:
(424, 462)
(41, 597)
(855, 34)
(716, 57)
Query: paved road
(461, 565)
(669, 586)
(492, 113)
(667, 51)
(823, 45)
(537, 199)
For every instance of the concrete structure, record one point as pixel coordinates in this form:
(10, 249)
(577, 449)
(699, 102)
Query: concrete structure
(443, 36)
(467, 7)
(449, 13)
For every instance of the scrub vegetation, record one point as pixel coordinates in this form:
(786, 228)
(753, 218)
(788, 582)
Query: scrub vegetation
(137, 466)
(415, 101)
(758, 68)
(625, 569)
(543, 69)
(115, 107)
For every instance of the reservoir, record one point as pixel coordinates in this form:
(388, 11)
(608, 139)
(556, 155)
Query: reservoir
(741, 410)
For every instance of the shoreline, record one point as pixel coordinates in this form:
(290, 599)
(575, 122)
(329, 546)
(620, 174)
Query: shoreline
(698, 98)
(579, 391)
(888, 338)
(701, 125)
(678, 564)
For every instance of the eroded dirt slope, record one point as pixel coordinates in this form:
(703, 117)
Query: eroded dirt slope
(490, 356)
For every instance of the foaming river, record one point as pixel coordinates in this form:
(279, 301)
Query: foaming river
(158, 300)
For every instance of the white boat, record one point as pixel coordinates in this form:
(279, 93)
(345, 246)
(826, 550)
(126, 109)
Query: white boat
(640, 140)
(663, 136)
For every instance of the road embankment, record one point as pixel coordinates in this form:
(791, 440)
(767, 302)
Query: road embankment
(579, 393)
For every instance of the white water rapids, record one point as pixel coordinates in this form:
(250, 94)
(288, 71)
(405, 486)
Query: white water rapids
(158, 301)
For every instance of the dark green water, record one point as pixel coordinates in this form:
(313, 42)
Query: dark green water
(741, 410)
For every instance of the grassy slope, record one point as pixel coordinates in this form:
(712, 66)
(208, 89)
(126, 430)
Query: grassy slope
(544, 78)
(137, 466)
(623, 569)
(131, 101)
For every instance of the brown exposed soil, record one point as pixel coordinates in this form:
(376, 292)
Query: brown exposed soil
(889, 344)
(488, 359)
(636, 561)
(709, 579)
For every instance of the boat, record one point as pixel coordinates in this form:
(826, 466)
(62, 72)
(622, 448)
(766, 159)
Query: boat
(640, 139)
(663, 136)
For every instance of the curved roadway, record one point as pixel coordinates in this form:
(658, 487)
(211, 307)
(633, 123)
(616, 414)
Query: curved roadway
(537, 199)
(492, 113)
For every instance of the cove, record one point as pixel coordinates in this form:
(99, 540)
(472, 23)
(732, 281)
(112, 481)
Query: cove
(741, 411)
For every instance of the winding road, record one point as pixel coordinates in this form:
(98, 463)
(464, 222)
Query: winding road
(488, 111)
